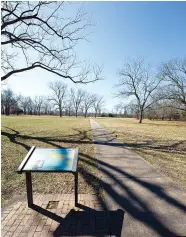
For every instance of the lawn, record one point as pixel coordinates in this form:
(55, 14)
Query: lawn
(22, 132)
(161, 143)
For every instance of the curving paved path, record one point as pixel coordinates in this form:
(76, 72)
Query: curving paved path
(153, 205)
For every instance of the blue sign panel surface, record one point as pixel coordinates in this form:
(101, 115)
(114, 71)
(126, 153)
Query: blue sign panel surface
(54, 159)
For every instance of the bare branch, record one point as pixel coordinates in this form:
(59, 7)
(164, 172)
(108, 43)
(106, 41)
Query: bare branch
(173, 73)
(40, 28)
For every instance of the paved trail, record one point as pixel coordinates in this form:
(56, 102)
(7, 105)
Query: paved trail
(153, 205)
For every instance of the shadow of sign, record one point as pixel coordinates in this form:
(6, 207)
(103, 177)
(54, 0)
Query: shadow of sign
(91, 223)
(87, 222)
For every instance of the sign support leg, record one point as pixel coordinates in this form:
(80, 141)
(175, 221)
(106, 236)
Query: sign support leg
(29, 189)
(76, 187)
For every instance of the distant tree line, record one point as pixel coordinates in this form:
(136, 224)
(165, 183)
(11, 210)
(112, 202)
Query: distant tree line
(159, 111)
(63, 101)
(159, 94)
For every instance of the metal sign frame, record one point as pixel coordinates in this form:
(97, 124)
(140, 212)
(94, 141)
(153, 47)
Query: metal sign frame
(21, 170)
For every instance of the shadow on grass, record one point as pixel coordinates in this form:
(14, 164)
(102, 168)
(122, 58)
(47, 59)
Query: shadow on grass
(82, 137)
(141, 212)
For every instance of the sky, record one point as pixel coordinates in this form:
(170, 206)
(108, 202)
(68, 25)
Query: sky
(154, 30)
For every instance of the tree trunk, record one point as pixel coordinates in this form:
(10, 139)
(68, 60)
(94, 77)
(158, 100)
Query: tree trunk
(2, 110)
(60, 113)
(95, 115)
(76, 113)
(141, 116)
(7, 111)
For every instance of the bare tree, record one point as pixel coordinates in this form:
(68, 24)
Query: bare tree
(47, 106)
(69, 105)
(45, 37)
(2, 105)
(59, 93)
(24, 102)
(124, 109)
(117, 109)
(98, 104)
(173, 73)
(30, 106)
(39, 101)
(137, 81)
(88, 102)
(77, 99)
(9, 101)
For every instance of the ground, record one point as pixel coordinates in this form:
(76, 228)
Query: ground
(161, 143)
(22, 132)
(135, 200)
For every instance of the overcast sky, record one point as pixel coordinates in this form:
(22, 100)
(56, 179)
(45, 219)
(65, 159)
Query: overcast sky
(155, 30)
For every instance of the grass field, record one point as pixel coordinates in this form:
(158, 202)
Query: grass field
(22, 132)
(161, 143)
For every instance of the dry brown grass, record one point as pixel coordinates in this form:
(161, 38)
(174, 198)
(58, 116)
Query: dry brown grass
(161, 143)
(20, 133)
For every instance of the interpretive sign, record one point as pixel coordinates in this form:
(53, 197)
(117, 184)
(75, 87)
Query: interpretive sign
(49, 160)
